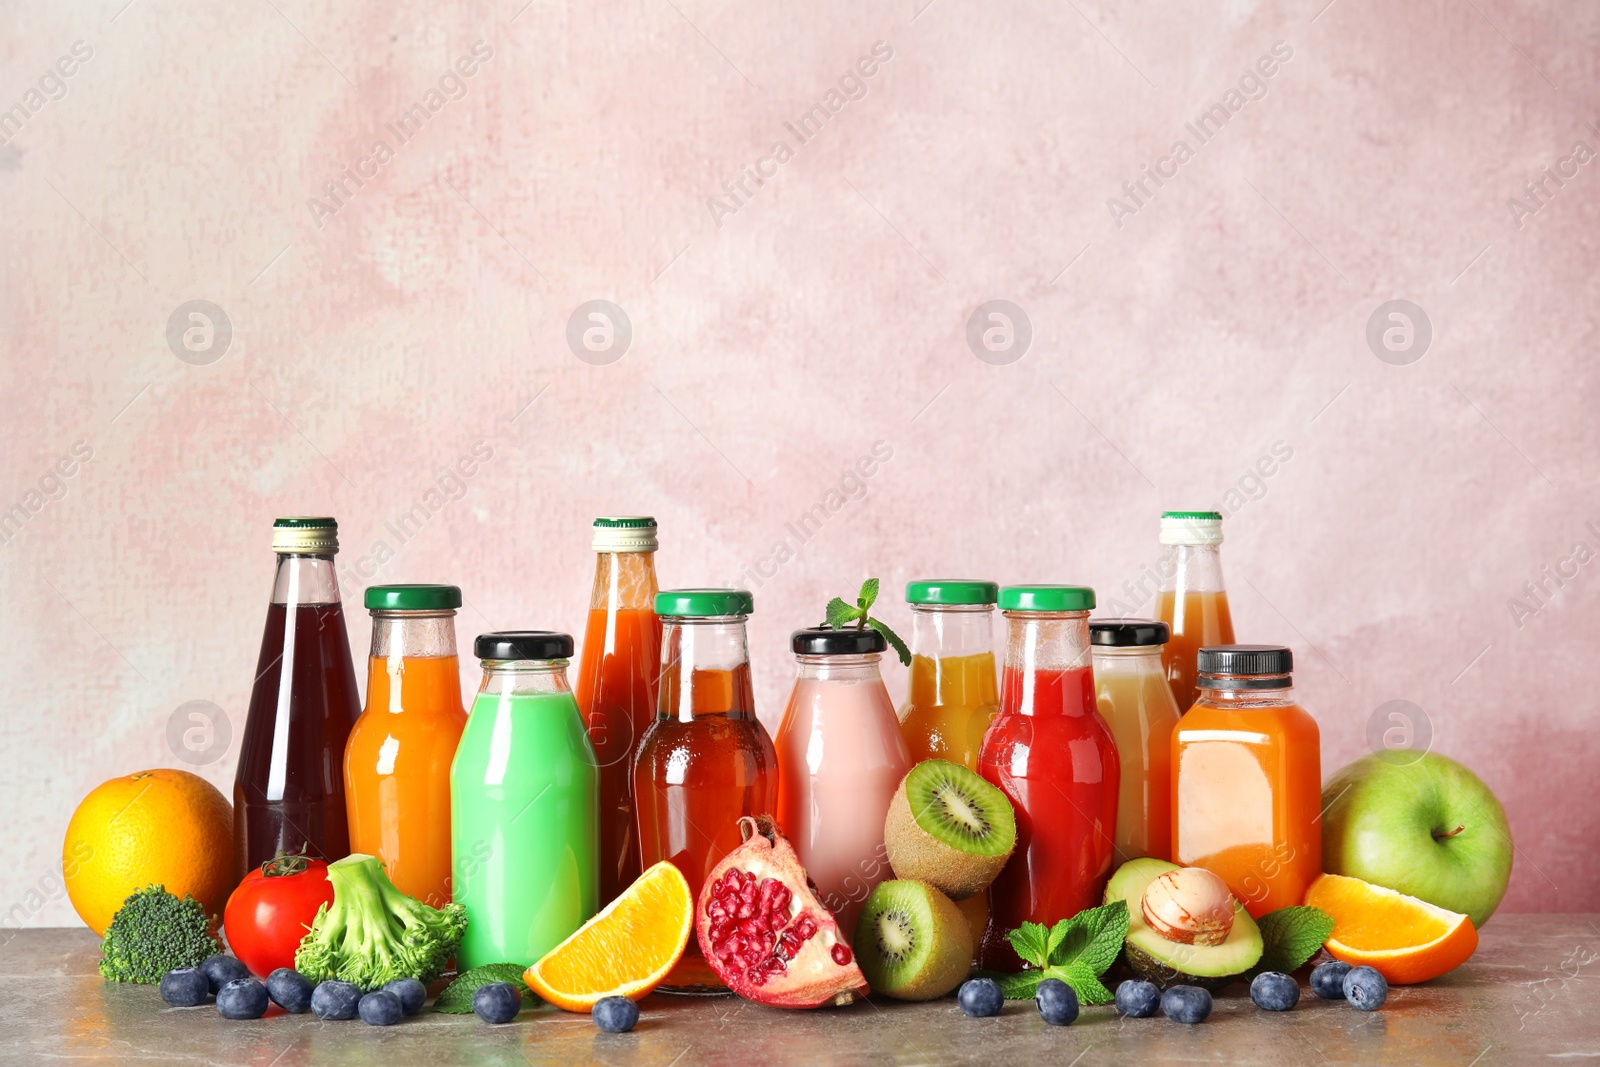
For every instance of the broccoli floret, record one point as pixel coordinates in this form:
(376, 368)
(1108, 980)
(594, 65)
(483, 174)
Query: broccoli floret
(154, 932)
(373, 933)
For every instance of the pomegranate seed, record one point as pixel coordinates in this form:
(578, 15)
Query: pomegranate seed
(840, 954)
(805, 927)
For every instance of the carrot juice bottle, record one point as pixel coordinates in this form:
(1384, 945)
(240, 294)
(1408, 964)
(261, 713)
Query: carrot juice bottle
(1192, 601)
(952, 695)
(617, 682)
(1248, 779)
(397, 762)
(1049, 750)
(1137, 704)
(706, 761)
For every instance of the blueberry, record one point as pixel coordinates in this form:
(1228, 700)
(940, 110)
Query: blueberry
(1138, 1000)
(1274, 991)
(1057, 1002)
(1365, 989)
(380, 1008)
(497, 1002)
(289, 990)
(1327, 979)
(220, 970)
(615, 1015)
(1186, 1004)
(411, 992)
(335, 1000)
(185, 987)
(980, 997)
(242, 998)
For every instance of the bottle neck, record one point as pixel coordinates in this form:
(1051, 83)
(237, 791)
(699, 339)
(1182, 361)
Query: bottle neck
(413, 634)
(705, 669)
(940, 631)
(842, 668)
(305, 580)
(1046, 640)
(525, 677)
(1192, 569)
(624, 581)
(1276, 697)
(1133, 660)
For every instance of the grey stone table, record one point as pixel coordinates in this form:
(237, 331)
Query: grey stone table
(1530, 995)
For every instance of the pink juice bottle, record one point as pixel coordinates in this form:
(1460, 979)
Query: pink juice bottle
(840, 759)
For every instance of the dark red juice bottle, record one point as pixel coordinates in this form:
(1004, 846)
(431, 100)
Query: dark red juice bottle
(1049, 750)
(288, 793)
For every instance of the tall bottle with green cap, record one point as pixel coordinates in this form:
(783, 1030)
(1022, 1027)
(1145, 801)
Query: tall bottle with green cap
(1049, 750)
(1193, 600)
(288, 792)
(706, 761)
(952, 694)
(397, 762)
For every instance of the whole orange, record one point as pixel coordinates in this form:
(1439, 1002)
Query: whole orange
(162, 827)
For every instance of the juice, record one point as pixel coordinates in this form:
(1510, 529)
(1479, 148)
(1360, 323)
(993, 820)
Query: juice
(951, 696)
(524, 798)
(1137, 704)
(1049, 750)
(397, 761)
(840, 760)
(1247, 793)
(288, 794)
(616, 688)
(706, 760)
(1192, 601)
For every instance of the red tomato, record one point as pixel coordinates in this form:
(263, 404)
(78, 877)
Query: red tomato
(272, 909)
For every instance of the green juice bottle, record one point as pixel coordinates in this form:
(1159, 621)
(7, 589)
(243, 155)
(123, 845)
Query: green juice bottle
(524, 805)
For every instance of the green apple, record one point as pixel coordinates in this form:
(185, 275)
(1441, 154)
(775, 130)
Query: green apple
(1421, 825)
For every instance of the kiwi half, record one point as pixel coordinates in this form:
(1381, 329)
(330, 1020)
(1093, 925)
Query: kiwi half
(948, 827)
(912, 943)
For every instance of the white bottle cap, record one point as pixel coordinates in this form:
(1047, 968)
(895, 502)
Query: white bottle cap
(625, 533)
(1191, 528)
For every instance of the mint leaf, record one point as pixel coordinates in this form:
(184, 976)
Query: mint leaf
(1031, 942)
(1084, 982)
(1092, 938)
(893, 638)
(869, 593)
(457, 996)
(1291, 936)
(840, 613)
(1016, 986)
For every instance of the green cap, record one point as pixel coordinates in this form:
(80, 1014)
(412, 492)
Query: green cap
(1201, 516)
(1046, 598)
(700, 602)
(951, 591)
(413, 597)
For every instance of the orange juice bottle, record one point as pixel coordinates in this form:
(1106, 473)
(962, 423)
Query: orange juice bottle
(1247, 786)
(397, 761)
(952, 694)
(1192, 601)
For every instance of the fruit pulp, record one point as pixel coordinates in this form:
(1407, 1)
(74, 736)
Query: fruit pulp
(950, 704)
(1137, 704)
(1052, 754)
(1246, 798)
(1204, 620)
(840, 759)
(703, 764)
(617, 696)
(397, 771)
(524, 825)
(288, 791)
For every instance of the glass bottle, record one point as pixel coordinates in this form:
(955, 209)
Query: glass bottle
(840, 760)
(1049, 750)
(617, 682)
(1247, 798)
(951, 697)
(706, 761)
(288, 790)
(397, 762)
(1192, 601)
(1137, 703)
(524, 797)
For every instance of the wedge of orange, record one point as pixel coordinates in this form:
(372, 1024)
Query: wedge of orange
(1404, 939)
(624, 951)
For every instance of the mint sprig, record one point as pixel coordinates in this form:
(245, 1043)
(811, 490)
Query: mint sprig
(1076, 950)
(840, 615)
(1291, 936)
(457, 996)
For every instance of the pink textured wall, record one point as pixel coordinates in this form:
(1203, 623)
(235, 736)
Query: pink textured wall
(1202, 326)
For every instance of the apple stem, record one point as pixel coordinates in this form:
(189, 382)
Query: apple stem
(1452, 833)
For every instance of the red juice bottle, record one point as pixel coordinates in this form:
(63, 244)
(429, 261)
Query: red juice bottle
(617, 682)
(1049, 750)
(288, 791)
(706, 761)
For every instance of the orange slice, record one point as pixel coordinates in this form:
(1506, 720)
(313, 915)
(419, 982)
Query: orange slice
(1405, 939)
(624, 951)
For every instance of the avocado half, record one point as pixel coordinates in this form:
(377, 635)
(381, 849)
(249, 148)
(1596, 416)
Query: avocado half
(1168, 963)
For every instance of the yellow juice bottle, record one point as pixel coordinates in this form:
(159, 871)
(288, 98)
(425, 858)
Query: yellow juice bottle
(952, 694)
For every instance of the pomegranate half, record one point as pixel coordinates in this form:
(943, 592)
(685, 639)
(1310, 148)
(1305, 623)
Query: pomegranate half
(762, 929)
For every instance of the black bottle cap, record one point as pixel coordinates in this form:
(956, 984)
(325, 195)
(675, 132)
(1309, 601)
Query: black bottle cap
(523, 644)
(823, 641)
(1244, 666)
(1128, 633)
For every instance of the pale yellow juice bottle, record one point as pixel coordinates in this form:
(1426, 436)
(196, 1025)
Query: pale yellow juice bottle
(1137, 703)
